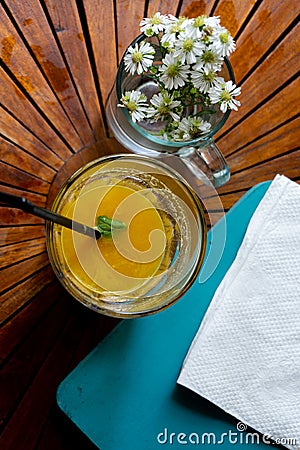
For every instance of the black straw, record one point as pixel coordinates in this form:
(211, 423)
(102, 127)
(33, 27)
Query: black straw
(25, 205)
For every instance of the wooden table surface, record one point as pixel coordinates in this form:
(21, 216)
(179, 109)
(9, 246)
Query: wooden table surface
(58, 62)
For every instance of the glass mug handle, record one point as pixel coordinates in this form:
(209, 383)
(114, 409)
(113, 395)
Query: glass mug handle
(206, 162)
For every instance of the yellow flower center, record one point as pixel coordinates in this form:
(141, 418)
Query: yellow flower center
(172, 70)
(155, 21)
(225, 96)
(137, 57)
(131, 106)
(208, 56)
(188, 45)
(199, 21)
(224, 37)
(208, 76)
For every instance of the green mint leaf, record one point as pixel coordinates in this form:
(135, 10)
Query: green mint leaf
(106, 225)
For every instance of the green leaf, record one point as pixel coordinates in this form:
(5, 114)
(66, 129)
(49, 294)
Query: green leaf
(106, 225)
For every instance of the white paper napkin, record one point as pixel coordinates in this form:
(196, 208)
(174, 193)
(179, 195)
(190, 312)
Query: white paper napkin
(245, 357)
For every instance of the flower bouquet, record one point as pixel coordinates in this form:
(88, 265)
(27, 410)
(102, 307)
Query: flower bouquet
(181, 62)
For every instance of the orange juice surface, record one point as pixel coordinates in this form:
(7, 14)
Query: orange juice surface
(123, 262)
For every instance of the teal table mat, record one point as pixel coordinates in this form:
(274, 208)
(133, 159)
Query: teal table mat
(124, 395)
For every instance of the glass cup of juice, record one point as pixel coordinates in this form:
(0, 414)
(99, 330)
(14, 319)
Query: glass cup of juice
(152, 245)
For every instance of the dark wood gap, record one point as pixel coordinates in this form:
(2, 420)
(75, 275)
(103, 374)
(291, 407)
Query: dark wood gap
(22, 260)
(263, 135)
(116, 36)
(32, 331)
(212, 11)
(27, 173)
(235, 191)
(21, 188)
(31, 132)
(145, 8)
(272, 158)
(36, 106)
(270, 50)
(18, 225)
(259, 105)
(19, 31)
(247, 19)
(12, 286)
(72, 326)
(52, 286)
(5, 138)
(88, 341)
(89, 47)
(179, 8)
(57, 41)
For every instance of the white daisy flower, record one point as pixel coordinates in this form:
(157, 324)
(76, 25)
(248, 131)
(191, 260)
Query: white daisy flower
(205, 79)
(163, 106)
(209, 59)
(173, 29)
(136, 104)
(212, 22)
(155, 24)
(222, 42)
(224, 94)
(191, 128)
(194, 27)
(187, 49)
(174, 74)
(139, 58)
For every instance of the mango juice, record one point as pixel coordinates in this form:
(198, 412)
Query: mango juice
(130, 256)
(141, 267)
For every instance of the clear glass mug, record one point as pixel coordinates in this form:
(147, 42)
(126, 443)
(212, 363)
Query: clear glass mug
(201, 155)
(147, 265)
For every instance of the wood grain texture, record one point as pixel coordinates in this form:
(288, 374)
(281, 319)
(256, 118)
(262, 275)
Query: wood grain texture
(67, 25)
(19, 61)
(196, 8)
(58, 61)
(103, 43)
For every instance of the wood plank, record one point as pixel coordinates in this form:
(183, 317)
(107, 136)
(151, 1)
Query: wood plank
(39, 36)
(128, 29)
(18, 272)
(18, 178)
(12, 235)
(31, 413)
(103, 41)
(20, 62)
(279, 142)
(17, 374)
(94, 329)
(196, 8)
(21, 160)
(272, 114)
(284, 59)
(163, 6)
(13, 216)
(39, 199)
(231, 198)
(252, 44)
(31, 119)
(21, 324)
(19, 300)
(66, 21)
(13, 130)
(233, 13)
(288, 165)
(11, 254)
